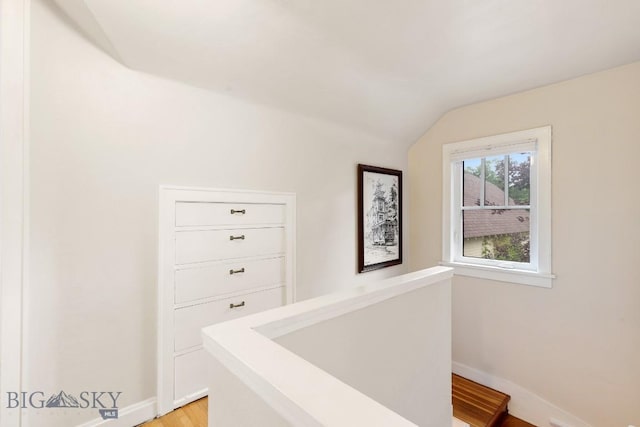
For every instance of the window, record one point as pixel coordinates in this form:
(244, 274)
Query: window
(497, 207)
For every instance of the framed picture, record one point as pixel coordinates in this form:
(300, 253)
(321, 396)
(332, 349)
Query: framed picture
(379, 217)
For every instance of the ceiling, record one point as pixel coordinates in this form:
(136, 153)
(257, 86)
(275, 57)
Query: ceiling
(386, 67)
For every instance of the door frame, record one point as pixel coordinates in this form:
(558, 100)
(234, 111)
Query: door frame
(14, 196)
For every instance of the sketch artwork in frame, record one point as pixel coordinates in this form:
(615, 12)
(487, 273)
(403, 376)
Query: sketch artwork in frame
(379, 217)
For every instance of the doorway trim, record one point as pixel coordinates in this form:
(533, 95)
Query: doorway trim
(14, 137)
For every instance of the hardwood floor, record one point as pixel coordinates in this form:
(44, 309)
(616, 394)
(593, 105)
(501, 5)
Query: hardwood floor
(192, 415)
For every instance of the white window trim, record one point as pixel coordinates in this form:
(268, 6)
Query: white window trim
(538, 272)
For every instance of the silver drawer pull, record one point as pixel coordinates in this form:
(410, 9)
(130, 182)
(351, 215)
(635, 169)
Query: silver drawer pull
(236, 271)
(238, 211)
(236, 237)
(236, 305)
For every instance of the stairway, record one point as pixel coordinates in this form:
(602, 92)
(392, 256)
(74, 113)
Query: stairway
(481, 406)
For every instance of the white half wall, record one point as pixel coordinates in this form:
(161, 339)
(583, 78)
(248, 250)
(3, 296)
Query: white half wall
(104, 138)
(575, 345)
(397, 352)
(374, 355)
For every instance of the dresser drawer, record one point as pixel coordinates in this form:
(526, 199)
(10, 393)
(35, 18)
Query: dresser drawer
(190, 373)
(224, 278)
(212, 245)
(205, 213)
(189, 320)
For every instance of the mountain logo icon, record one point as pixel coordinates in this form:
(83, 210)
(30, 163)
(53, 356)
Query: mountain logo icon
(62, 400)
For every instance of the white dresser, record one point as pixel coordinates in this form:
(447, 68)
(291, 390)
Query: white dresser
(223, 254)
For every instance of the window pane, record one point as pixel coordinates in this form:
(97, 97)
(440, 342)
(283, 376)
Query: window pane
(519, 178)
(471, 182)
(499, 234)
(494, 181)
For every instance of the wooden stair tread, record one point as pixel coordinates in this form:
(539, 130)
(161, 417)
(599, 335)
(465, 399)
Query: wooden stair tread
(477, 405)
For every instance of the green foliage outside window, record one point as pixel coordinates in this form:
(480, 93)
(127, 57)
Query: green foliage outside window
(507, 247)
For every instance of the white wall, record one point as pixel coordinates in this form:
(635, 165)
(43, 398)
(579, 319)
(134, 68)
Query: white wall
(103, 138)
(578, 344)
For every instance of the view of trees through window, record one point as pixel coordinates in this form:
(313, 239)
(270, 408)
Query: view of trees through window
(496, 207)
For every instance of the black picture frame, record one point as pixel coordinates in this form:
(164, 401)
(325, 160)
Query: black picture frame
(379, 217)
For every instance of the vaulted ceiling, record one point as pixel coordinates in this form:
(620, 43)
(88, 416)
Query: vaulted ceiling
(387, 67)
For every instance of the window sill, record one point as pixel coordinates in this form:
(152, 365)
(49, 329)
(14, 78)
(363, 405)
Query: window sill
(522, 277)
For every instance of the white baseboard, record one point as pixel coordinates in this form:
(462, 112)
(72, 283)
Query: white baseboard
(128, 416)
(524, 404)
